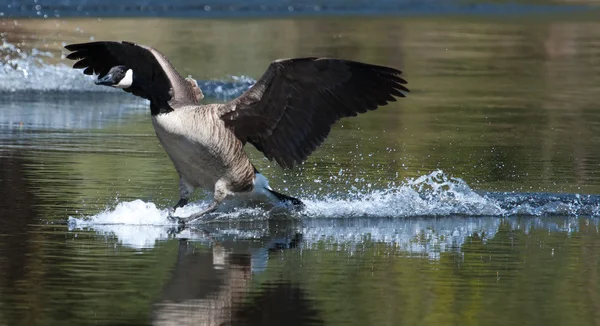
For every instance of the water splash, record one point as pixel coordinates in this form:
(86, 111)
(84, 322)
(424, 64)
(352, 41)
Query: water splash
(435, 194)
(137, 224)
(441, 210)
(24, 71)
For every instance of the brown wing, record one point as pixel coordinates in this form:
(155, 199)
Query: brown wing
(289, 112)
(155, 77)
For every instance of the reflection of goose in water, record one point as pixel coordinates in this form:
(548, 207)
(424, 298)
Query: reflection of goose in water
(204, 288)
(213, 288)
(286, 115)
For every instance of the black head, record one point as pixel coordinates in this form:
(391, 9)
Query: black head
(117, 76)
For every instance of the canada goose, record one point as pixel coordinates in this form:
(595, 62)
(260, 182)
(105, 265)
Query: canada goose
(286, 114)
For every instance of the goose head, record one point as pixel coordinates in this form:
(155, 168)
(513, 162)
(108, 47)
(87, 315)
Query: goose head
(117, 76)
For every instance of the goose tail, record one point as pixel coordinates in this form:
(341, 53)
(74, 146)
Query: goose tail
(297, 203)
(261, 185)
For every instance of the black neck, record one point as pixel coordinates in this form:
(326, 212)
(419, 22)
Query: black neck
(157, 108)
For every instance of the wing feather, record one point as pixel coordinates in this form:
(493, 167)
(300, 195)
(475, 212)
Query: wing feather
(291, 109)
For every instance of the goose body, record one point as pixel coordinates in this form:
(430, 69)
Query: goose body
(202, 149)
(286, 115)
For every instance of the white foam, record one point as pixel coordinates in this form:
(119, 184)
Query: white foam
(140, 224)
(136, 224)
(135, 212)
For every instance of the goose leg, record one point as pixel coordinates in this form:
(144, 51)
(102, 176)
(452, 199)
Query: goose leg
(182, 202)
(185, 190)
(221, 193)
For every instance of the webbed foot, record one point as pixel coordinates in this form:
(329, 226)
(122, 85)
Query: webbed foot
(182, 202)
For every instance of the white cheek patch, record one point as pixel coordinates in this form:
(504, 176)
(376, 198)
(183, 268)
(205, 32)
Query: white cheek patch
(126, 81)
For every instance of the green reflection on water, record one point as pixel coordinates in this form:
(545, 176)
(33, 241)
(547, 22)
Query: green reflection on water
(538, 278)
(70, 278)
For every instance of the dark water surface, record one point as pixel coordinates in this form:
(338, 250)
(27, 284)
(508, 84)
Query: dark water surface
(473, 201)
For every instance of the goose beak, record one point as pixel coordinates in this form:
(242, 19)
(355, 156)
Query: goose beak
(106, 80)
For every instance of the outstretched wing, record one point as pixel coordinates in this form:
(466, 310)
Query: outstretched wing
(289, 112)
(155, 77)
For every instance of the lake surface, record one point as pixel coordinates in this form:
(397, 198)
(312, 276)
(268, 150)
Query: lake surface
(475, 200)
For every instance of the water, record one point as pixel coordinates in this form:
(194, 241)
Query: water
(474, 200)
(262, 8)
